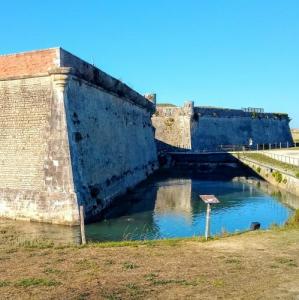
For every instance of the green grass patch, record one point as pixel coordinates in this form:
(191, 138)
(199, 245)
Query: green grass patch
(150, 276)
(4, 283)
(233, 261)
(172, 281)
(286, 261)
(134, 289)
(163, 242)
(36, 244)
(154, 280)
(86, 264)
(28, 282)
(129, 265)
(291, 223)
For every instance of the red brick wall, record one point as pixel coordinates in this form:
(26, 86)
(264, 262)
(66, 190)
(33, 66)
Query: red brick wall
(28, 63)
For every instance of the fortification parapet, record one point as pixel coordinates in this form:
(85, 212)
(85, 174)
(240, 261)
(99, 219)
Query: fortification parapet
(38, 63)
(99, 78)
(229, 113)
(152, 97)
(189, 108)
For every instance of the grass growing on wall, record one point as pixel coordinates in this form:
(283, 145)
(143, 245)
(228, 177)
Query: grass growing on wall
(278, 176)
(166, 105)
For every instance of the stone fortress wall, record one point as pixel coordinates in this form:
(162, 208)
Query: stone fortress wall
(70, 135)
(295, 134)
(204, 128)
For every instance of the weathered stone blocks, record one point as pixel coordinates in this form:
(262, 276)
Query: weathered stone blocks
(70, 135)
(190, 128)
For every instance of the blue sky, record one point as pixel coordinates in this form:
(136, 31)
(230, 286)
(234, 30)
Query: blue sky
(228, 53)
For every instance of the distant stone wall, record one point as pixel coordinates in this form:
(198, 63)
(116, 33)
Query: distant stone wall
(70, 135)
(295, 135)
(203, 128)
(173, 127)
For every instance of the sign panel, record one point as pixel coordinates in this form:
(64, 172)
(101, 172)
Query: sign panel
(209, 199)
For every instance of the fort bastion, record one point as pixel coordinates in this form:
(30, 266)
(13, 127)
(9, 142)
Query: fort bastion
(70, 135)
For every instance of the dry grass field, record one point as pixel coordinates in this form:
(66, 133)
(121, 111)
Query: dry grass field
(253, 265)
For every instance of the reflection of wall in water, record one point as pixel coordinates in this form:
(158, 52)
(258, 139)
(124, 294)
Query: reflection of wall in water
(287, 198)
(30, 231)
(175, 198)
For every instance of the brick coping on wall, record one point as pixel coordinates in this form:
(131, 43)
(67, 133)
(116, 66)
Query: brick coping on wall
(38, 63)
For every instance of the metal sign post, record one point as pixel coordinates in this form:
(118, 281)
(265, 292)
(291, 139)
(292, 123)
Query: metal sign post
(82, 226)
(207, 231)
(208, 199)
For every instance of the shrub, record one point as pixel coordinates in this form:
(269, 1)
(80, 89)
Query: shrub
(277, 175)
(258, 169)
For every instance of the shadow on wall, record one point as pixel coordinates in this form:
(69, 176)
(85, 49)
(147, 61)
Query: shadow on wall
(183, 163)
(163, 147)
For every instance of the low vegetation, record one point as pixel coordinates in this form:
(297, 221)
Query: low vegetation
(251, 265)
(278, 176)
(259, 157)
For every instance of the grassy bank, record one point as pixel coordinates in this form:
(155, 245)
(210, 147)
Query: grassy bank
(264, 159)
(260, 264)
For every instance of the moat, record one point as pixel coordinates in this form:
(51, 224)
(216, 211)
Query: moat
(168, 206)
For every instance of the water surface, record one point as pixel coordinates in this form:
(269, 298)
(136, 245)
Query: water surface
(168, 207)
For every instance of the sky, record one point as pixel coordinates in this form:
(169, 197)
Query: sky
(224, 53)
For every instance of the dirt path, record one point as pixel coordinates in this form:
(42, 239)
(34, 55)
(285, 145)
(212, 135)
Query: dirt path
(256, 265)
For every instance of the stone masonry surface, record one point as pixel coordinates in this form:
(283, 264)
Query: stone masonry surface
(70, 135)
(202, 128)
